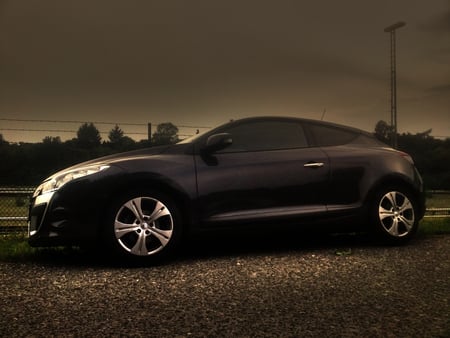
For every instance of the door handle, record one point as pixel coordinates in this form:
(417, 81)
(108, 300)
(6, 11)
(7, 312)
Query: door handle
(313, 165)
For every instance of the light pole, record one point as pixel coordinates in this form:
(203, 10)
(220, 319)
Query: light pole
(391, 29)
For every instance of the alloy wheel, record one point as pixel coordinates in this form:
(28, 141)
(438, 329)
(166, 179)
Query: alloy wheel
(143, 226)
(396, 214)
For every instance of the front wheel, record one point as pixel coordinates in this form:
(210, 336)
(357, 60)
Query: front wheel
(143, 226)
(394, 215)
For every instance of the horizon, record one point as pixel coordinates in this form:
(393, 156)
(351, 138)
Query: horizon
(139, 129)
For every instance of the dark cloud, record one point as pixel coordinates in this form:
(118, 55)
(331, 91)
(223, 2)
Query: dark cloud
(443, 89)
(440, 23)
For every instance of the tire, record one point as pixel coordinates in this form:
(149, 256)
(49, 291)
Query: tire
(394, 215)
(143, 226)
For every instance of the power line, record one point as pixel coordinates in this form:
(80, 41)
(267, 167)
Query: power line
(58, 130)
(107, 123)
(71, 121)
(95, 122)
(74, 131)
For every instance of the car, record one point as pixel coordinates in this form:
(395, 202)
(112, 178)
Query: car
(249, 172)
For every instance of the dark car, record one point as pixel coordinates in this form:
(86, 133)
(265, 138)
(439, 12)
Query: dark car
(253, 171)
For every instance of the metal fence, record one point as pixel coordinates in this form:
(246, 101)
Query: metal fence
(14, 203)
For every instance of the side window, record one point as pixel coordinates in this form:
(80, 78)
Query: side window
(331, 136)
(266, 135)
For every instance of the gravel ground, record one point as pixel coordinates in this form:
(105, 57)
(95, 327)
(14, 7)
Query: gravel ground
(339, 287)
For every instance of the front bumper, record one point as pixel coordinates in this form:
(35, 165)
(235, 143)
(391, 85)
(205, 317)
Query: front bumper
(71, 215)
(38, 209)
(64, 217)
(48, 223)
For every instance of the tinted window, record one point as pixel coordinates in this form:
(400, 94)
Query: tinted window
(368, 140)
(331, 136)
(266, 135)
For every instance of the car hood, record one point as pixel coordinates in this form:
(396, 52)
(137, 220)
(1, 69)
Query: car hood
(130, 155)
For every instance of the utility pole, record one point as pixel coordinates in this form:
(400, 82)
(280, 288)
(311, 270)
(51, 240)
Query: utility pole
(149, 132)
(391, 29)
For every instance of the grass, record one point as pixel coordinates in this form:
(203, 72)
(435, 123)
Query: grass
(15, 246)
(434, 226)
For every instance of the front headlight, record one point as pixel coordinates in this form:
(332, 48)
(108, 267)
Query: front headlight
(58, 181)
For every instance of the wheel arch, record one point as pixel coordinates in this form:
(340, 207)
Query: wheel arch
(154, 183)
(399, 182)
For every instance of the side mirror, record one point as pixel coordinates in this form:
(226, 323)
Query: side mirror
(217, 142)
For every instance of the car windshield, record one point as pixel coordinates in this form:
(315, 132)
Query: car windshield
(195, 137)
(191, 139)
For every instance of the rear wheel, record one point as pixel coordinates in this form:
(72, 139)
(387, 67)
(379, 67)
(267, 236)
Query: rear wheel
(394, 215)
(143, 226)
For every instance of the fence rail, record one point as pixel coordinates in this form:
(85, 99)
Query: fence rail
(14, 208)
(437, 212)
(16, 191)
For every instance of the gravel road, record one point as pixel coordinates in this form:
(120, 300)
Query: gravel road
(338, 287)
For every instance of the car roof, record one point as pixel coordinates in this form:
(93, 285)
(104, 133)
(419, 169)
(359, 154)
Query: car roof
(219, 128)
(295, 119)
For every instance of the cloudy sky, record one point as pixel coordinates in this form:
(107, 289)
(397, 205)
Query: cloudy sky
(202, 63)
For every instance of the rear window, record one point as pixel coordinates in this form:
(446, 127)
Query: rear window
(331, 136)
(368, 140)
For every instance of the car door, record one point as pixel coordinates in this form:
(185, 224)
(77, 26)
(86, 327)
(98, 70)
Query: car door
(268, 172)
(348, 162)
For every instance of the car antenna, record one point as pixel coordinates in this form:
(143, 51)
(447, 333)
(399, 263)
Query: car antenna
(323, 114)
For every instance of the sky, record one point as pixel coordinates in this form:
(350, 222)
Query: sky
(200, 63)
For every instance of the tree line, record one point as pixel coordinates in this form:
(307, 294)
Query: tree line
(431, 155)
(28, 163)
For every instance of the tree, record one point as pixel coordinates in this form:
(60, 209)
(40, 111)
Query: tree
(51, 140)
(118, 141)
(383, 131)
(166, 133)
(88, 136)
(115, 135)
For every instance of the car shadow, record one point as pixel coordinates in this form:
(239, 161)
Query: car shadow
(214, 245)
(230, 244)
